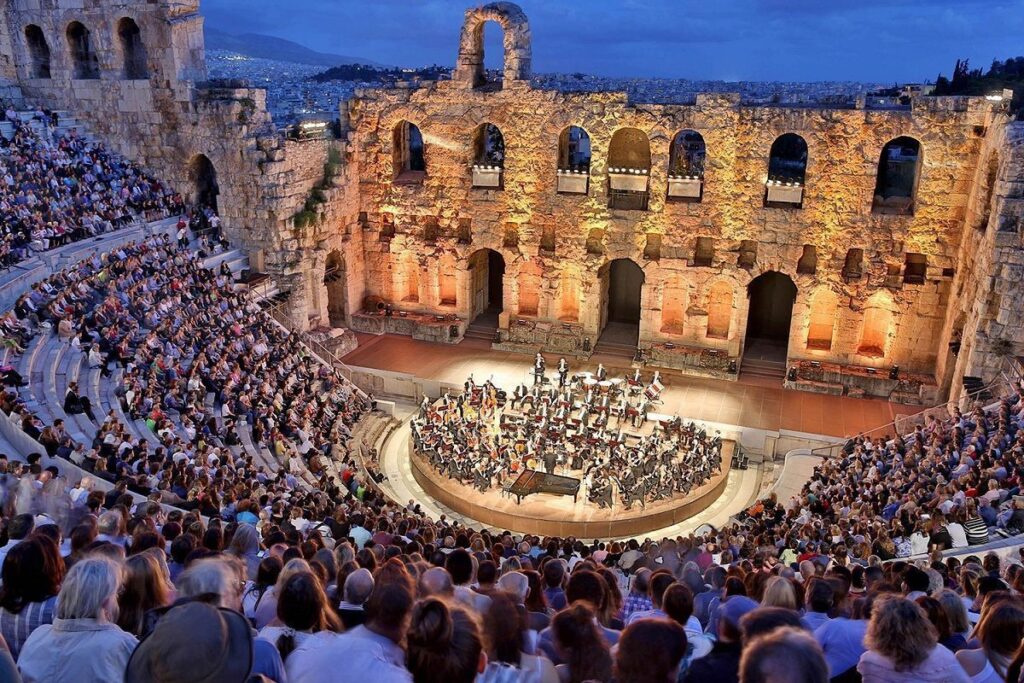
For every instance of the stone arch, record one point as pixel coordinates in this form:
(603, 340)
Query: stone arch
(336, 282)
(469, 69)
(899, 172)
(407, 284)
(719, 307)
(787, 160)
(673, 305)
(530, 279)
(687, 154)
(574, 149)
(486, 268)
(629, 148)
(38, 52)
(85, 63)
(408, 157)
(488, 145)
(133, 50)
(447, 282)
(203, 177)
(876, 327)
(821, 319)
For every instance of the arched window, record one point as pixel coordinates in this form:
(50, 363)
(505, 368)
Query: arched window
(204, 181)
(529, 288)
(84, 62)
(876, 327)
(787, 171)
(407, 153)
(899, 170)
(719, 310)
(821, 319)
(38, 52)
(488, 156)
(569, 296)
(629, 168)
(573, 161)
(133, 50)
(687, 155)
(447, 294)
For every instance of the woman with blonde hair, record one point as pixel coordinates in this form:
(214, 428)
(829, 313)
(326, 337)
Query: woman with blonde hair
(778, 592)
(145, 587)
(903, 646)
(1000, 633)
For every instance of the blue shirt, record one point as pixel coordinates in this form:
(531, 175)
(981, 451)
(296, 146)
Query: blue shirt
(843, 643)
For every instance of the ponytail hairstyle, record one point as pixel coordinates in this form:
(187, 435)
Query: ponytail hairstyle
(443, 643)
(581, 645)
(302, 605)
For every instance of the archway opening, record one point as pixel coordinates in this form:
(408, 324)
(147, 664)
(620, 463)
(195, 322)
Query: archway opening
(203, 176)
(334, 280)
(408, 161)
(629, 169)
(85, 64)
(769, 317)
(38, 52)
(622, 282)
(899, 169)
(492, 46)
(132, 49)
(487, 278)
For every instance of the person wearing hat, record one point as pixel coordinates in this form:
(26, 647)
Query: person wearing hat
(722, 664)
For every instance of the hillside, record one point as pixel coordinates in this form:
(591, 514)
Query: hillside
(271, 47)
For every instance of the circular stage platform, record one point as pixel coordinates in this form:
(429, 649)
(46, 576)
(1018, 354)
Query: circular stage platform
(553, 515)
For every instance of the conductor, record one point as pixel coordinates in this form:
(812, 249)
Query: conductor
(538, 369)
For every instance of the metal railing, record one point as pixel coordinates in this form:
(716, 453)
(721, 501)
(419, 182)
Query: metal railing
(1005, 382)
(326, 356)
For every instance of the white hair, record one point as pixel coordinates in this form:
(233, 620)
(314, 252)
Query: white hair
(91, 582)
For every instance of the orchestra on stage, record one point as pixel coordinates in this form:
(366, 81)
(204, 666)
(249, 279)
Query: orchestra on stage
(601, 430)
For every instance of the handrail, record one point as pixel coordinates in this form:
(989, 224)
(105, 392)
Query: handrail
(326, 356)
(901, 423)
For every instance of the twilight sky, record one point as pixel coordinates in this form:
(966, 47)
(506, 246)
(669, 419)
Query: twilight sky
(783, 40)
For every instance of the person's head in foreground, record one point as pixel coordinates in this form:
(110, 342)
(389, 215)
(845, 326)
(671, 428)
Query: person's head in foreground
(784, 655)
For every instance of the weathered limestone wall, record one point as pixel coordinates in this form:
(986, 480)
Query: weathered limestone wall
(844, 148)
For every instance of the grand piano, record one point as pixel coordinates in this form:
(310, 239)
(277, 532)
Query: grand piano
(532, 481)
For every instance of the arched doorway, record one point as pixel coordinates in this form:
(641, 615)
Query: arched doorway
(487, 282)
(769, 317)
(334, 281)
(622, 282)
(203, 176)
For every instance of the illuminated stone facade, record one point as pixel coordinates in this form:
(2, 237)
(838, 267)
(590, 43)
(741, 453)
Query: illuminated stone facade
(400, 223)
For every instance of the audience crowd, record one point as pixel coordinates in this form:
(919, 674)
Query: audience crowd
(59, 188)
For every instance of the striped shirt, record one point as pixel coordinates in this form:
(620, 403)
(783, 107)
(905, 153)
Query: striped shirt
(16, 628)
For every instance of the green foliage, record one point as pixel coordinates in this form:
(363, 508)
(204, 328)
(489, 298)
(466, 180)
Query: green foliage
(310, 214)
(1007, 74)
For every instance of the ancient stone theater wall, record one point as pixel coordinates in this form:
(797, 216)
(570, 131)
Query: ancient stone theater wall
(556, 246)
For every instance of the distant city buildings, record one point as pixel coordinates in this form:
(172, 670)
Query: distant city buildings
(294, 94)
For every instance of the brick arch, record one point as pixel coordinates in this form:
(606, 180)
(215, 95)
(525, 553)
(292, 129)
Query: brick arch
(510, 17)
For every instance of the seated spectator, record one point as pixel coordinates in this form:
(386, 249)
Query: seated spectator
(83, 644)
(903, 646)
(587, 587)
(678, 606)
(444, 644)
(581, 648)
(999, 633)
(659, 583)
(145, 587)
(650, 651)
(818, 602)
(722, 664)
(32, 573)
(307, 621)
(785, 655)
(255, 590)
(357, 590)
(505, 631)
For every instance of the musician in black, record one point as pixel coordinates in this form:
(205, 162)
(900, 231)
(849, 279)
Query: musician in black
(538, 369)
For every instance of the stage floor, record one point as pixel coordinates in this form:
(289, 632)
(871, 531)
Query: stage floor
(552, 515)
(753, 404)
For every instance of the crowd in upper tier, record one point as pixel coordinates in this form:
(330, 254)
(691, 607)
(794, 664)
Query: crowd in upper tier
(58, 188)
